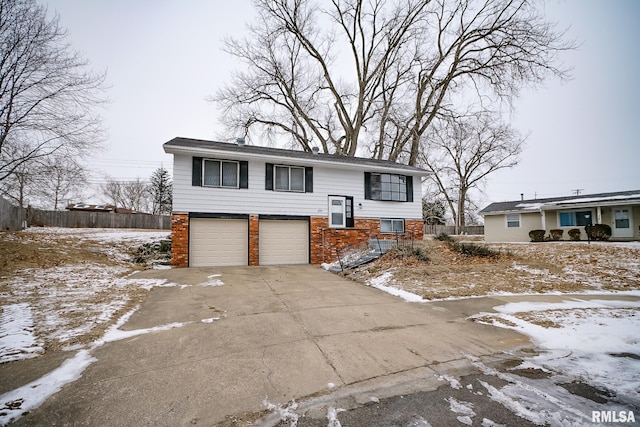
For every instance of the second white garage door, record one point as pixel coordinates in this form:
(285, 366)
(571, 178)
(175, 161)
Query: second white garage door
(284, 242)
(218, 242)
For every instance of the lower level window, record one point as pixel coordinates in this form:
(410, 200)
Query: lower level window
(392, 225)
(575, 218)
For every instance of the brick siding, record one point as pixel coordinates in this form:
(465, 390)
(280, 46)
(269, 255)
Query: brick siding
(254, 240)
(180, 240)
(325, 242)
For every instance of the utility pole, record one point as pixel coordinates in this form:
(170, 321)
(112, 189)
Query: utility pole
(577, 191)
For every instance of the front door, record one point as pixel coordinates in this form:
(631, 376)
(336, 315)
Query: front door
(622, 222)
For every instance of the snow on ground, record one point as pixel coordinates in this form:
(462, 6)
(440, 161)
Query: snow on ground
(69, 303)
(382, 283)
(595, 341)
(17, 339)
(21, 400)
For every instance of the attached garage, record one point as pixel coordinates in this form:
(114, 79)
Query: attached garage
(218, 242)
(284, 242)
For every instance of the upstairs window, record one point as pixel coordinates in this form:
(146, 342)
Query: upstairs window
(220, 173)
(575, 218)
(298, 179)
(289, 178)
(388, 187)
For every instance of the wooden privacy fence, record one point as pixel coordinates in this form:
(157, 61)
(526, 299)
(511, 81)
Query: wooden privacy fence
(451, 229)
(80, 219)
(12, 218)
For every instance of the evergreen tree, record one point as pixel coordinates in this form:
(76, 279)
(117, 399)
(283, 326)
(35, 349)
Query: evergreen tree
(161, 189)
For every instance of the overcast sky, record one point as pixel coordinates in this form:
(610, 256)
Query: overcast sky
(163, 58)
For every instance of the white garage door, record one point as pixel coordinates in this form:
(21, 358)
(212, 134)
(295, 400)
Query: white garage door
(218, 242)
(284, 242)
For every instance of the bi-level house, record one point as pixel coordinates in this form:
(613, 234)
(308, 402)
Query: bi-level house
(236, 204)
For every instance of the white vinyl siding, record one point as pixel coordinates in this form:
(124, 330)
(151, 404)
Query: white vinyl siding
(255, 199)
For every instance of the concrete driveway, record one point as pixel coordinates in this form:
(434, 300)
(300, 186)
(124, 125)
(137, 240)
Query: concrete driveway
(267, 334)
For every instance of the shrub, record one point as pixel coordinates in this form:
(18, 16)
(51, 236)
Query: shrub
(471, 249)
(537, 235)
(598, 232)
(417, 252)
(556, 234)
(444, 237)
(574, 234)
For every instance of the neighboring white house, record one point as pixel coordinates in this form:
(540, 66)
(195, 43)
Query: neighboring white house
(512, 221)
(236, 204)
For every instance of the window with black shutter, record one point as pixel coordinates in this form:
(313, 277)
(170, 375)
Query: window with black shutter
(388, 187)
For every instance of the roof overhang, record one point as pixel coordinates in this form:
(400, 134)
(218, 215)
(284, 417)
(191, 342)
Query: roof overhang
(307, 160)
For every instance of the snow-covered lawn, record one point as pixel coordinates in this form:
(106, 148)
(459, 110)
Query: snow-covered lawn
(69, 290)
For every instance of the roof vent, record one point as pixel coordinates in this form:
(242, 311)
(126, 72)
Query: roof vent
(240, 141)
(315, 150)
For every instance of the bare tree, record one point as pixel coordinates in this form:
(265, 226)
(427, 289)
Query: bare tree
(112, 192)
(136, 195)
(132, 195)
(462, 152)
(59, 179)
(18, 187)
(379, 74)
(47, 97)
(161, 192)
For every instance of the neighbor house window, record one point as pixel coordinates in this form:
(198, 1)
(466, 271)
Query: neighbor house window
(513, 221)
(340, 211)
(220, 173)
(392, 225)
(289, 178)
(386, 186)
(575, 218)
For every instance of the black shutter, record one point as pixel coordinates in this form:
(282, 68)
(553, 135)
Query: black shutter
(367, 185)
(349, 211)
(244, 174)
(409, 189)
(308, 180)
(196, 172)
(268, 177)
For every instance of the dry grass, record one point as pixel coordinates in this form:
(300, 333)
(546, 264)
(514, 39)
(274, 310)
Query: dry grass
(520, 268)
(76, 286)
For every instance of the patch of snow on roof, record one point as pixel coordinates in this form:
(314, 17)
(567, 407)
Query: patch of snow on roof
(596, 199)
(530, 206)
